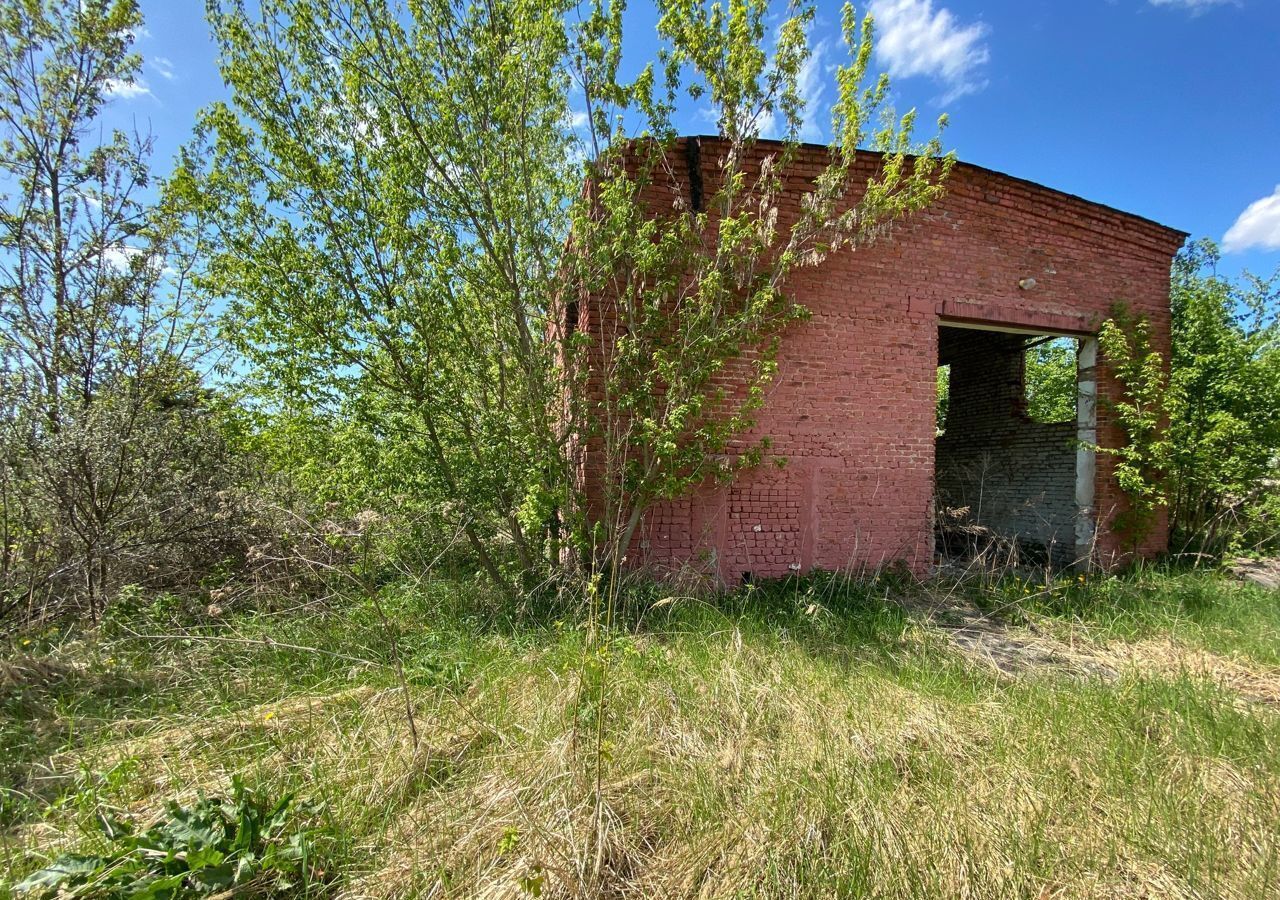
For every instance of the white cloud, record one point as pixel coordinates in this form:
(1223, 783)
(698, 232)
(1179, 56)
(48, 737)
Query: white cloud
(120, 256)
(914, 39)
(1196, 6)
(162, 66)
(126, 89)
(812, 84)
(1257, 227)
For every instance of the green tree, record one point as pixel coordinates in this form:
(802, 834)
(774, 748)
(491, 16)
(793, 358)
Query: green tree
(1051, 380)
(104, 418)
(400, 225)
(387, 192)
(1203, 428)
(1224, 404)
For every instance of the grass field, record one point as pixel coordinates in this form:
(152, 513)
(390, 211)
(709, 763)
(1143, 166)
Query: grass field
(820, 738)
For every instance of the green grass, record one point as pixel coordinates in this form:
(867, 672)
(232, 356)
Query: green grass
(1194, 606)
(800, 740)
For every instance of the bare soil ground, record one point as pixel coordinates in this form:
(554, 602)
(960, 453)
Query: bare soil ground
(1013, 650)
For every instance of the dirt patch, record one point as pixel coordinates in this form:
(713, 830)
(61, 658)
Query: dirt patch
(1169, 659)
(989, 641)
(1014, 650)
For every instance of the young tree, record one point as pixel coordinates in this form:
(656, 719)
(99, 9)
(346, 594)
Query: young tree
(1140, 411)
(694, 299)
(387, 189)
(400, 221)
(102, 416)
(1203, 428)
(1224, 403)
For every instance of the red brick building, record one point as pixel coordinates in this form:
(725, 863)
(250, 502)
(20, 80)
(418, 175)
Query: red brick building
(969, 283)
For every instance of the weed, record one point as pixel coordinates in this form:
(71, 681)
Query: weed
(239, 843)
(807, 738)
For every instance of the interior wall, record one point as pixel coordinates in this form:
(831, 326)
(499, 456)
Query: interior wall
(1018, 477)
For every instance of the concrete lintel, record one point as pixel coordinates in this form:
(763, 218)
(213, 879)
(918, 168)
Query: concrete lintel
(1010, 329)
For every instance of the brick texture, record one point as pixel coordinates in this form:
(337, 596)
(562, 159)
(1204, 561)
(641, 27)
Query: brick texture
(852, 411)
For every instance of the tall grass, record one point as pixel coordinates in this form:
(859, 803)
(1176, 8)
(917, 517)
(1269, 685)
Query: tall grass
(1197, 606)
(807, 739)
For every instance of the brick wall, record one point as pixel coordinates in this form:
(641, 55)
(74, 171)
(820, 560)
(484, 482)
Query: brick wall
(852, 409)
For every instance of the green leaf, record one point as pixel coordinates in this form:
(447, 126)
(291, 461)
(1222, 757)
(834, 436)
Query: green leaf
(154, 888)
(204, 857)
(69, 867)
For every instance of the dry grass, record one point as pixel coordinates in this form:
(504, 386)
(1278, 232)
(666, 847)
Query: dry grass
(1166, 658)
(746, 755)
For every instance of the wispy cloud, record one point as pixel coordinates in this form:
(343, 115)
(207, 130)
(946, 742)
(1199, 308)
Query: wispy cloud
(123, 89)
(912, 38)
(162, 66)
(1258, 227)
(1196, 6)
(812, 84)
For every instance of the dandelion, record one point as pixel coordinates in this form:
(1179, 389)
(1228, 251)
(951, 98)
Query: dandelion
(269, 716)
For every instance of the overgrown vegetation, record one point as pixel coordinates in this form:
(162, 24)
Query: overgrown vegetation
(115, 469)
(332, 544)
(1139, 413)
(1224, 414)
(1203, 426)
(424, 374)
(806, 739)
(381, 212)
(426, 174)
(238, 844)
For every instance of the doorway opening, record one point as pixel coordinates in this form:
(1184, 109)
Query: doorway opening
(1014, 459)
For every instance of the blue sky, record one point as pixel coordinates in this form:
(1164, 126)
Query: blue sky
(1166, 108)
